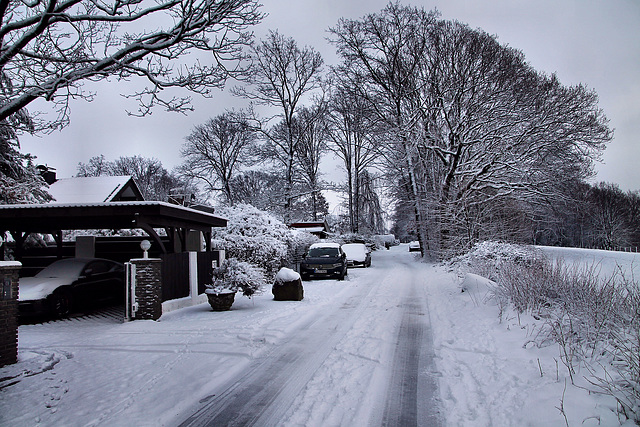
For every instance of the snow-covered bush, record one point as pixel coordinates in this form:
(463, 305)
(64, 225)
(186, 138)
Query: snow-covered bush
(594, 320)
(235, 276)
(259, 238)
(488, 258)
(70, 235)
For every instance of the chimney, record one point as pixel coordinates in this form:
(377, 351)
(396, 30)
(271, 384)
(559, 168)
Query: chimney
(47, 173)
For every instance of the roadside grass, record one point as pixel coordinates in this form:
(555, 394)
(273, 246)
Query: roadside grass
(594, 319)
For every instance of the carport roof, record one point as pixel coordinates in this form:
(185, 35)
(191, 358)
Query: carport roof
(52, 217)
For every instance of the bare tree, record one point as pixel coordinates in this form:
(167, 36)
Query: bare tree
(471, 122)
(353, 131)
(96, 166)
(257, 188)
(370, 212)
(382, 56)
(609, 216)
(312, 135)
(216, 150)
(153, 180)
(282, 74)
(49, 48)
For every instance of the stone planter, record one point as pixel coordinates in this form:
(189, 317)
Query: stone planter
(288, 290)
(221, 302)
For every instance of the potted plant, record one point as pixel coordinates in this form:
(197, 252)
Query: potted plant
(230, 277)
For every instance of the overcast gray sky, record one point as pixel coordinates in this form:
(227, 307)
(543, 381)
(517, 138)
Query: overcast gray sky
(594, 42)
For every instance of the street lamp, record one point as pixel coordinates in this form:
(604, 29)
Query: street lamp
(145, 245)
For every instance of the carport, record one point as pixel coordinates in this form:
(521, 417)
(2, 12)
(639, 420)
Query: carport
(180, 250)
(53, 218)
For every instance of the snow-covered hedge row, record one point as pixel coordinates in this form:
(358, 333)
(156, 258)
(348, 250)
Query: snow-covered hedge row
(257, 237)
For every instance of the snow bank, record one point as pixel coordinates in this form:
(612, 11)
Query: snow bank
(478, 287)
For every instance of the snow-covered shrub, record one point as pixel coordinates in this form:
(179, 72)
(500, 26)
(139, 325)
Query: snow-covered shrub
(487, 258)
(298, 241)
(70, 235)
(594, 320)
(259, 238)
(235, 276)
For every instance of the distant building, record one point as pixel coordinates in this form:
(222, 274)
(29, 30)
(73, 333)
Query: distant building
(317, 228)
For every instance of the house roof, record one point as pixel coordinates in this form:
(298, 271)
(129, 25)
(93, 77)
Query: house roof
(311, 229)
(95, 189)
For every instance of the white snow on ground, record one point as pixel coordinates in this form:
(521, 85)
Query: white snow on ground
(145, 373)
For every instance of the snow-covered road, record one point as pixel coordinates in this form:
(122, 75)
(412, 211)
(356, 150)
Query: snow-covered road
(365, 358)
(394, 344)
(356, 352)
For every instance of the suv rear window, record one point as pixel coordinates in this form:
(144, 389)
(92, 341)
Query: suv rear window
(323, 252)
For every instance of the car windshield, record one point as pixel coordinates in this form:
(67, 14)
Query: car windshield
(323, 252)
(63, 268)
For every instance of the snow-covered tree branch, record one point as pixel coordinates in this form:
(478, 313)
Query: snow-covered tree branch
(49, 48)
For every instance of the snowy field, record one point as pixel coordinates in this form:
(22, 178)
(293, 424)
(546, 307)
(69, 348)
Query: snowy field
(342, 340)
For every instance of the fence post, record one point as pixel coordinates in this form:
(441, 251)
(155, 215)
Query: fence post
(148, 288)
(193, 275)
(9, 312)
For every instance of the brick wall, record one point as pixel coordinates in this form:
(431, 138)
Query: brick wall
(148, 288)
(9, 312)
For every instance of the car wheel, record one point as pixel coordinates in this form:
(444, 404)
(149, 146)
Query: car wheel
(60, 302)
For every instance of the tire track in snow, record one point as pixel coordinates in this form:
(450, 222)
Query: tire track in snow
(302, 381)
(265, 391)
(412, 394)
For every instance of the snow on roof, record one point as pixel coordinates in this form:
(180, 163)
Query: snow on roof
(310, 225)
(92, 189)
(312, 229)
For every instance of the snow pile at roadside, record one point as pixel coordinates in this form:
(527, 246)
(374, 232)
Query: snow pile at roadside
(499, 252)
(487, 258)
(493, 374)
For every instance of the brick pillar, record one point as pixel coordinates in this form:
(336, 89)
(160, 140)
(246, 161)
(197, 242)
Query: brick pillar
(148, 288)
(9, 312)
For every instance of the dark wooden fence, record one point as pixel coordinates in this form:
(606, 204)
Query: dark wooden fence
(175, 276)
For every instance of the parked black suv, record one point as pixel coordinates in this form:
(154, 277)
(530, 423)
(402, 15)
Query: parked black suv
(324, 260)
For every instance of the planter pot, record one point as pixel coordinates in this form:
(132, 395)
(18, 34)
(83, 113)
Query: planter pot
(288, 290)
(221, 302)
